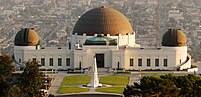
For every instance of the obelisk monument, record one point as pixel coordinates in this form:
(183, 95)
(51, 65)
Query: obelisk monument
(94, 76)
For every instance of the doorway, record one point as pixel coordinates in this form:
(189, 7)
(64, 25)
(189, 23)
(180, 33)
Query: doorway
(100, 60)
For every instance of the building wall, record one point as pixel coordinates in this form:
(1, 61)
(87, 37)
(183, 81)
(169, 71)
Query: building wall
(19, 52)
(173, 56)
(151, 54)
(85, 56)
(26, 54)
(122, 40)
(113, 55)
(118, 56)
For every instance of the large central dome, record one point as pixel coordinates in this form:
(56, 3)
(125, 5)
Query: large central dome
(102, 20)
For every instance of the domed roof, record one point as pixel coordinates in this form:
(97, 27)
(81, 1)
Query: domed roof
(102, 20)
(26, 37)
(174, 37)
(100, 40)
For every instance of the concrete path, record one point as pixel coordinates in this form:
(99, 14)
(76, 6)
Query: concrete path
(134, 77)
(58, 78)
(92, 90)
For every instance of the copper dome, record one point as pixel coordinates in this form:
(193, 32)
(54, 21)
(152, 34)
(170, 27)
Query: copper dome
(102, 20)
(174, 38)
(26, 37)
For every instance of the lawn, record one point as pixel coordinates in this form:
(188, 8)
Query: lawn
(70, 84)
(114, 80)
(76, 80)
(63, 90)
(118, 83)
(118, 90)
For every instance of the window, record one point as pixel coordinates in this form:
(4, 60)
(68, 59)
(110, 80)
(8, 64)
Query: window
(140, 62)
(131, 62)
(67, 61)
(59, 62)
(42, 61)
(118, 66)
(19, 60)
(148, 62)
(80, 65)
(165, 63)
(157, 62)
(69, 47)
(51, 62)
(34, 59)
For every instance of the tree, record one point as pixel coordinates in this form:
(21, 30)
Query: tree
(31, 79)
(6, 67)
(168, 89)
(6, 70)
(185, 85)
(26, 84)
(14, 91)
(189, 85)
(132, 90)
(197, 88)
(166, 86)
(153, 87)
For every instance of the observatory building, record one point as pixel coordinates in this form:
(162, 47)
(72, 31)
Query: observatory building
(107, 34)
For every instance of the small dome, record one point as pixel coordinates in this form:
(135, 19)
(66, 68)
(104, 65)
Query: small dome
(26, 37)
(174, 38)
(100, 40)
(102, 20)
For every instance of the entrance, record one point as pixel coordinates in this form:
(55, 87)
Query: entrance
(100, 60)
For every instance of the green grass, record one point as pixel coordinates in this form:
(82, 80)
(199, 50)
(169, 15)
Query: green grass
(118, 90)
(63, 90)
(118, 83)
(70, 84)
(114, 80)
(76, 80)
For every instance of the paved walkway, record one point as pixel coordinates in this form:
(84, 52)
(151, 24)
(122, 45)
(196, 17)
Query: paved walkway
(58, 78)
(134, 77)
(92, 90)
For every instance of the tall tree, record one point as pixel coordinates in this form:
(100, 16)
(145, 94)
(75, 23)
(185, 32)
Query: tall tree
(6, 69)
(31, 79)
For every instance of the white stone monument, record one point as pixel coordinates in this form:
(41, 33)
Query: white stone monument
(94, 77)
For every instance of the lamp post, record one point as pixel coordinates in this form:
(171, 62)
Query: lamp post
(140, 76)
